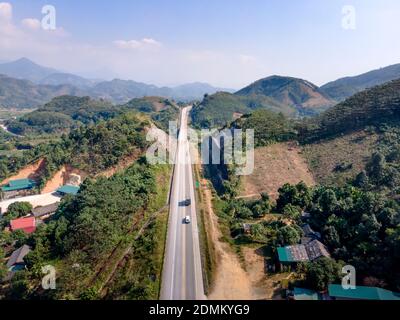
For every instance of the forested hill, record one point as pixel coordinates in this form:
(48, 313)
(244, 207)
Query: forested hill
(62, 114)
(161, 110)
(18, 93)
(346, 87)
(221, 108)
(107, 241)
(291, 96)
(65, 113)
(298, 93)
(374, 106)
(92, 148)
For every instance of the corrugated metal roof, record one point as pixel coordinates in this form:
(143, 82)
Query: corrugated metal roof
(67, 189)
(18, 256)
(28, 225)
(362, 293)
(305, 294)
(21, 184)
(45, 210)
(308, 252)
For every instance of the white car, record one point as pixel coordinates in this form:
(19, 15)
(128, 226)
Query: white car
(187, 220)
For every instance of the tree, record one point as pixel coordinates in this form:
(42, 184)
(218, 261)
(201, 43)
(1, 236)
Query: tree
(321, 273)
(328, 201)
(3, 269)
(362, 180)
(331, 237)
(292, 212)
(19, 209)
(289, 235)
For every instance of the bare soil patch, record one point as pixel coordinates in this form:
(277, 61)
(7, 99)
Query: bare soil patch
(62, 177)
(32, 171)
(276, 165)
(351, 151)
(231, 282)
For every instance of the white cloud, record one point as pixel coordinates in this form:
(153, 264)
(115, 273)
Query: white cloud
(137, 44)
(5, 12)
(32, 24)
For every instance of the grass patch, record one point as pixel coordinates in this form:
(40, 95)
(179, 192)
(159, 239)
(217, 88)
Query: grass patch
(207, 249)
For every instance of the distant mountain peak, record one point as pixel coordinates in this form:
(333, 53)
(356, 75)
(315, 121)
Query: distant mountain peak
(24, 68)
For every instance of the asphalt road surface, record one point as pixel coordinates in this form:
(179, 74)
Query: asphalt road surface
(182, 273)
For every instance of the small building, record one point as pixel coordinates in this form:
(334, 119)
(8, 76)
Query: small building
(337, 292)
(302, 252)
(292, 254)
(28, 225)
(301, 294)
(45, 211)
(68, 190)
(16, 261)
(19, 185)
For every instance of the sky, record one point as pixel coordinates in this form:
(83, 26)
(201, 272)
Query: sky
(227, 43)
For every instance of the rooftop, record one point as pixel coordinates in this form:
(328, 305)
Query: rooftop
(362, 293)
(303, 252)
(68, 189)
(18, 256)
(305, 294)
(21, 184)
(45, 210)
(28, 225)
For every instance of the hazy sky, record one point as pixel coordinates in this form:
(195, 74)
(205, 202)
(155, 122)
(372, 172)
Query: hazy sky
(227, 43)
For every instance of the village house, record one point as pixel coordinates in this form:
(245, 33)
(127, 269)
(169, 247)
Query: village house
(337, 292)
(291, 255)
(68, 190)
(18, 188)
(28, 225)
(45, 212)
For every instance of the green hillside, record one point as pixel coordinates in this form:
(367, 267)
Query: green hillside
(298, 93)
(221, 108)
(269, 127)
(374, 106)
(346, 87)
(23, 94)
(62, 114)
(161, 110)
(92, 148)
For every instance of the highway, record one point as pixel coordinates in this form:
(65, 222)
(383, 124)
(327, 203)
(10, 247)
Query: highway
(182, 277)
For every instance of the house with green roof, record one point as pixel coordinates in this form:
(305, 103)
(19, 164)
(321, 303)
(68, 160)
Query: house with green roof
(301, 294)
(19, 185)
(337, 292)
(68, 190)
(302, 252)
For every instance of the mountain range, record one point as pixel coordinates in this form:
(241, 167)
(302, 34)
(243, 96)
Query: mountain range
(344, 88)
(292, 96)
(42, 79)
(25, 84)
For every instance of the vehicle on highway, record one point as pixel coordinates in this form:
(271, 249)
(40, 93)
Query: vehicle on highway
(185, 203)
(187, 220)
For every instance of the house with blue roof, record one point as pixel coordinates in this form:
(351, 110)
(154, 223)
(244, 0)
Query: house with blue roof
(337, 292)
(19, 185)
(68, 190)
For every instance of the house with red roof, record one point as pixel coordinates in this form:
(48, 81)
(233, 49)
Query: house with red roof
(28, 225)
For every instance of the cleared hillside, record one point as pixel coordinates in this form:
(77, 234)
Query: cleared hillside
(276, 165)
